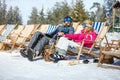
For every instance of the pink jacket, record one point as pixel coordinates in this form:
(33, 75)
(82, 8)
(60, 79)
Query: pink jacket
(83, 36)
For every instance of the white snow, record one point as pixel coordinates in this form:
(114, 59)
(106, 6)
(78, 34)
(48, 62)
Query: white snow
(15, 67)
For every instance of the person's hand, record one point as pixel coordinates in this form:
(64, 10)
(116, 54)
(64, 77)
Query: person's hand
(60, 34)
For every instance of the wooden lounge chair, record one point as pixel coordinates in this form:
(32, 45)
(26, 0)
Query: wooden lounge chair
(37, 26)
(7, 31)
(79, 28)
(50, 29)
(113, 51)
(47, 28)
(75, 25)
(11, 38)
(96, 44)
(43, 28)
(25, 35)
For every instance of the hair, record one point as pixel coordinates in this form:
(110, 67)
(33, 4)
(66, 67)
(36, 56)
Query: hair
(88, 22)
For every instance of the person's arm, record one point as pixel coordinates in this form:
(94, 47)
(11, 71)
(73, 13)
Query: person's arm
(65, 30)
(75, 37)
(71, 30)
(54, 33)
(72, 36)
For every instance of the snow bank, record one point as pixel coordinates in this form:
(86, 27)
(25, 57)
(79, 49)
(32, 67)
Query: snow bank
(15, 67)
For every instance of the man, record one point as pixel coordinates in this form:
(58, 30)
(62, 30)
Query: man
(38, 41)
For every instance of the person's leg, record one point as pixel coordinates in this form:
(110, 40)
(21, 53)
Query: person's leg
(63, 43)
(34, 40)
(61, 49)
(41, 44)
(38, 48)
(74, 44)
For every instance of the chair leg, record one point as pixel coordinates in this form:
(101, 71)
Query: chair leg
(102, 56)
(80, 50)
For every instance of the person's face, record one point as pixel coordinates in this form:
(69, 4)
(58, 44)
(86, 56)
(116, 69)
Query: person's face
(67, 23)
(87, 29)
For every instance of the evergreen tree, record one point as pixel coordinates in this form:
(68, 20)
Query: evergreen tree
(59, 11)
(78, 13)
(34, 18)
(17, 17)
(49, 18)
(4, 12)
(53, 15)
(10, 16)
(41, 17)
(13, 16)
(65, 9)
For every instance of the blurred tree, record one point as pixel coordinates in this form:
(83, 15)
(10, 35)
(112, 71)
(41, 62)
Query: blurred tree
(10, 16)
(17, 17)
(58, 12)
(51, 18)
(99, 14)
(3, 12)
(13, 16)
(91, 16)
(42, 19)
(78, 12)
(34, 18)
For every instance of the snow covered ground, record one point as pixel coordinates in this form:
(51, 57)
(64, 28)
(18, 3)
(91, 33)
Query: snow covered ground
(15, 67)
